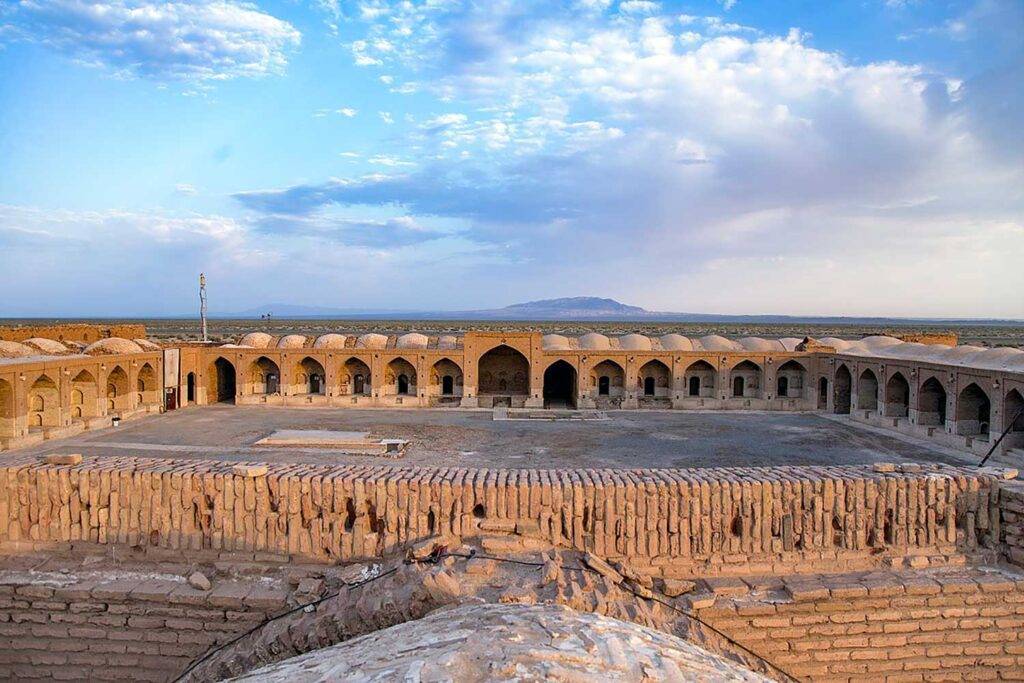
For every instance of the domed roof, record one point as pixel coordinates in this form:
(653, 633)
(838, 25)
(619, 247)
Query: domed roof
(48, 346)
(760, 344)
(835, 342)
(372, 341)
(879, 341)
(412, 340)
(14, 350)
(790, 343)
(147, 345)
(112, 346)
(291, 341)
(676, 342)
(447, 342)
(593, 341)
(556, 342)
(714, 342)
(257, 340)
(635, 342)
(330, 341)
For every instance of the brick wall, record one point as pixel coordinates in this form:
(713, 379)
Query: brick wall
(672, 522)
(129, 627)
(80, 333)
(1011, 503)
(932, 625)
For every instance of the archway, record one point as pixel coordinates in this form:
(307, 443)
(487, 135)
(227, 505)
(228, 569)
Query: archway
(822, 393)
(973, 411)
(264, 376)
(355, 378)
(897, 396)
(931, 403)
(609, 379)
(445, 380)
(1013, 411)
(789, 380)
(503, 372)
(867, 391)
(309, 377)
(400, 379)
(843, 385)
(44, 403)
(84, 395)
(221, 382)
(146, 385)
(190, 387)
(700, 379)
(7, 426)
(746, 380)
(117, 388)
(654, 381)
(560, 385)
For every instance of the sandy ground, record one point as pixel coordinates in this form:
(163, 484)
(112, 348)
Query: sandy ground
(460, 438)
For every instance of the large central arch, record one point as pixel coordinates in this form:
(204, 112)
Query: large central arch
(220, 382)
(560, 385)
(503, 372)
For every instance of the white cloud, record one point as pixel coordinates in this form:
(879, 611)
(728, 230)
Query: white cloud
(347, 111)
(385, 116)
(194, 42)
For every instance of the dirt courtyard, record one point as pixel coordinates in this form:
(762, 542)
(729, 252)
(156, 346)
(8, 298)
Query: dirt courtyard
(463, 438)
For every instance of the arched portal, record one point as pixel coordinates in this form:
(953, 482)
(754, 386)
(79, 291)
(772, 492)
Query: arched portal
(607, 383)
(1013, 412)
(43, 403)
(931, 403)
(867, 391)
(503, 372)
(7, 424)
(746, 380)
(220, 382)
(700, 380)
(897, 396)
(400, 378)
(560, 385)
(789, 380)
(146, 385)
(309, 377)
(654, 381)
(973, 411)
(190, 387)
(445, 380)
(355, 378)
(84, 395)
(117, 389)
(264, 376)
(843, 386)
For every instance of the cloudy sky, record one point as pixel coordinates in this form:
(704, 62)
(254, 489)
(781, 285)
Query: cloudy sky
(850, 157)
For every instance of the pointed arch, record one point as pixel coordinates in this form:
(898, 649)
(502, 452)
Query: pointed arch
(355, 378)
(264, 376)
(897, 396)
(654, 380)
(221, 381)
(399, 378)
(746, 379)
(309, 377)
(7, 409)
(973, 411)
(560, 385)
(146, 385)
(445, 379)
(790, 379)
(867, 390)
(84, 395)
(43, 403)
(931, 403)
(503, 371)
(843, 388)
(1013, 411)
(607, 381)
(700, 379)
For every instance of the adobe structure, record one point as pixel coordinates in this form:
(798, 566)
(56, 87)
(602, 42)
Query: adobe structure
(155, 568)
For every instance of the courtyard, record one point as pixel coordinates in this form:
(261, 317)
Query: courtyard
(472, 438)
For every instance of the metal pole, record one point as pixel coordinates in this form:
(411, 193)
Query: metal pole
(202, 302)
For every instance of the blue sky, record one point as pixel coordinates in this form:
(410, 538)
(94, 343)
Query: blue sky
(801, 157)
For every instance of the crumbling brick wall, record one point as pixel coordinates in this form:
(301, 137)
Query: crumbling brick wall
(84, 333)
(669, 522)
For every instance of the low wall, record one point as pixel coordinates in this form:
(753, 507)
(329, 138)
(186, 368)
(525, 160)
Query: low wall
(670, 522)
(84, 333)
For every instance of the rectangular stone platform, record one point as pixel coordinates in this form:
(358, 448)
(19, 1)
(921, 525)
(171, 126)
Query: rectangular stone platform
(349, 443)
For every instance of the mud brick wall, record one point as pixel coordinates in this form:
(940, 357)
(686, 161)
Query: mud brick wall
(80, 333)
(671, 521)
(930, 625)
(128, 628)
(1011, 503)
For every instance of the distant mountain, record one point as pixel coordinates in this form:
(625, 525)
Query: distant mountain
(581, 307)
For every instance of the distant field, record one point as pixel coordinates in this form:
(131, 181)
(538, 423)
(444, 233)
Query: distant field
(226, 331)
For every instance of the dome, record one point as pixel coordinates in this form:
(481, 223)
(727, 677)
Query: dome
(447, 342)
(14, 350)
(835, 342)
(760, 344)
(257, 340)
(47, 346)
(112, 346)
(635, 342)
(372, 341)
(594, 342)
(959, 354)
(879, 341)
(790, 343)
(676, 342)
(292, 341)
(147, 345)
(556, 342)
(413, 340)
(330, 341)
(714, 342)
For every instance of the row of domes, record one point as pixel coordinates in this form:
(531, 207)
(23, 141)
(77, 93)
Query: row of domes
(1002, 358)
(668, 342)
(413, 340)
(37, 346)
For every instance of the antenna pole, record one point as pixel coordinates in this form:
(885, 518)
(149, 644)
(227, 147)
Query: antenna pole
(202, 302)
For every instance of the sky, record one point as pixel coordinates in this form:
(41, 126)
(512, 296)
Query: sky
(727, 156)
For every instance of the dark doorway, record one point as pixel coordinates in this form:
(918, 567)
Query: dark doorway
(782, 388)
(560, 385)
(843, 387)
(447, 385)
(315, 383)
(648, 386)
(403, 385)
(737, 386)
(823, 393)
(358, 384)
(931, 403)
(190, 388)
(694, 386)
(273, 383)
(225, 374)
(604, 385)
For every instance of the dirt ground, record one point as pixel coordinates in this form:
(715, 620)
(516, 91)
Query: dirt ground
(469, 438)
